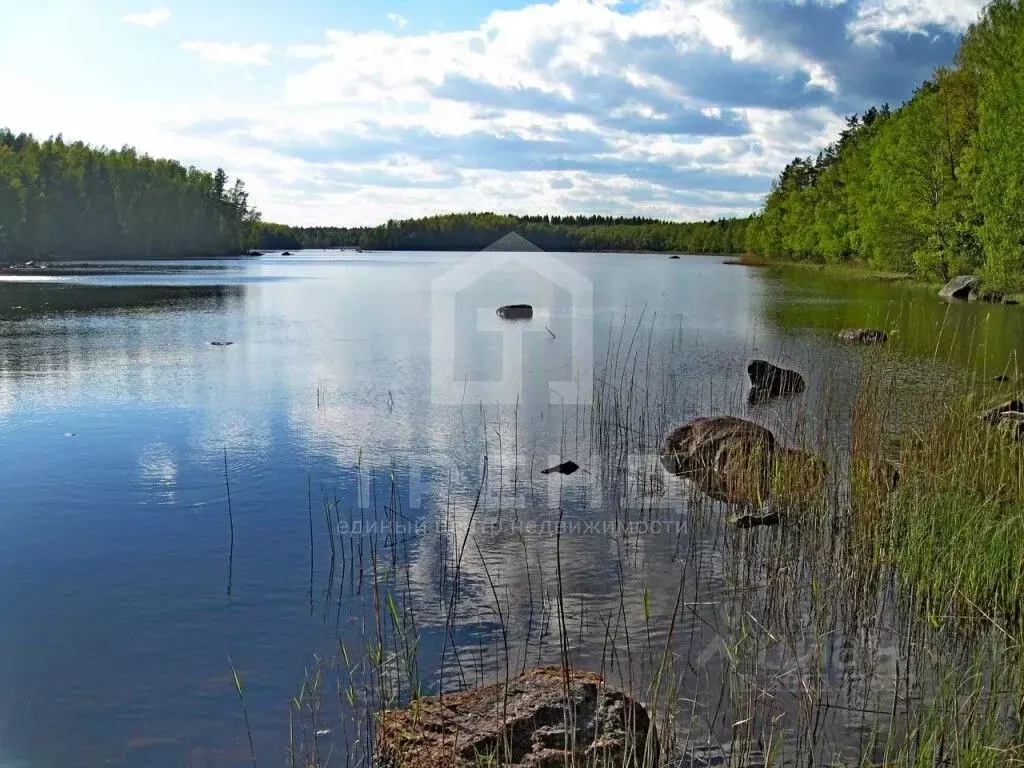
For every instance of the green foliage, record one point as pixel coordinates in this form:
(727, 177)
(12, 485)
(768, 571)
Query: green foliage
(935, 187)
(992, 53)
(73, 201)
(957, 522)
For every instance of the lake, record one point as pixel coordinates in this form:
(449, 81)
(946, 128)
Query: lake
(318, 489)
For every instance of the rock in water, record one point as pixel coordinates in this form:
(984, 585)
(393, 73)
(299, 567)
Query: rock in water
(959, 287)
(1008, 417)
(565, 468)
(758, 396)
(545, 717)
(772, 381)
(995, 414)
(1012, 423)
(515, 312)
(674, 256)
(221, 343)
(863, 335)
(755, 521)
(739, 462)
(728, 458)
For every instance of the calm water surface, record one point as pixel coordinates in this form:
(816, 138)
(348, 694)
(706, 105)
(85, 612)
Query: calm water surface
(122, 596)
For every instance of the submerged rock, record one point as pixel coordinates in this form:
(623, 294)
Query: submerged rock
(864, 335)
(771, 381)
(755, 521)
(875, 471)
(1012, 423)
(739, 462)
(565, 468)
(889, 474)
(221, 343)
(959, 287)
(758, 396)
(515, 312)
(1007, 417)
(545, 717)
(992, 297)
(994, 414)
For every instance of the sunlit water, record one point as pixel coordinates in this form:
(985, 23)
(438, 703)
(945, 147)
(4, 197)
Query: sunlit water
(124, 599)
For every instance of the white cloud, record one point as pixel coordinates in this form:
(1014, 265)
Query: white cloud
(362, 88)
(565, 106)
(876, 16)
(153, 18)
(398, 20)
(256, 54)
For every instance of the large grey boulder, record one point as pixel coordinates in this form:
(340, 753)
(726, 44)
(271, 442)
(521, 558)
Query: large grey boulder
(544, 718)
(959, 287)
(739, 462)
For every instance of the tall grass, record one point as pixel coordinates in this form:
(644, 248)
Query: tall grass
(878, 623)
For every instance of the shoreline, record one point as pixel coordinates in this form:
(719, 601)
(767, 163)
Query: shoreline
(1011, 296)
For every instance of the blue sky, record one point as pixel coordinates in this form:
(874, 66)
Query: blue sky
(352, 112)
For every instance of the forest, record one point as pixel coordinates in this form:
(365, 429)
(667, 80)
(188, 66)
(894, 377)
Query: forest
(475, 231)
(72, 202)
(935, 187)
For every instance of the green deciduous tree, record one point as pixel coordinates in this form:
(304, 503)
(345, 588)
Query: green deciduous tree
(73, 201)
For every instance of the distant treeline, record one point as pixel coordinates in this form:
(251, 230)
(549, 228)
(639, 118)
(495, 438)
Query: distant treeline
(73, 201)
(935, 187)
(475, 231)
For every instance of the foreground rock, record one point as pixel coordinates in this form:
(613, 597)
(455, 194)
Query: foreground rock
(991, 297)
(547, 717)
(959, 287)
(1008, 417)
(739, 462)
(863, 335)
(515, 312)
(771, 381)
